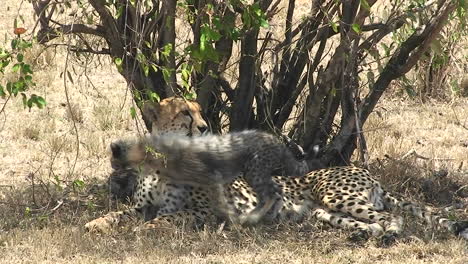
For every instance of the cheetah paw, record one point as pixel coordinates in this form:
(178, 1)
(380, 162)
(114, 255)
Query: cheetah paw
(388, 239)
(359, 236)
(100, 225)
(460, 229)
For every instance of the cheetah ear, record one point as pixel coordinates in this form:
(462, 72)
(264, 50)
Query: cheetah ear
(116, 148)
(150, 112)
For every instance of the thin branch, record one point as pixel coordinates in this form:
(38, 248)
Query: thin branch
(92, 51)
(72, 113)
(47, 34)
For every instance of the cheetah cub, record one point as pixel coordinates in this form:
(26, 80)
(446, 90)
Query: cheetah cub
(215, 160)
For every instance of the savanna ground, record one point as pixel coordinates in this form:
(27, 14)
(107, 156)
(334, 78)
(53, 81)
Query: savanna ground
(48, 162)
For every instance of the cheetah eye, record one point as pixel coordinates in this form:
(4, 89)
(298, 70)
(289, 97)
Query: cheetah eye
(186, 112)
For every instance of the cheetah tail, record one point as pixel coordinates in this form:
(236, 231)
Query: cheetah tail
(428, 214)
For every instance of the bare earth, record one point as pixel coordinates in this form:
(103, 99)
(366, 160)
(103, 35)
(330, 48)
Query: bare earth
(42, 154)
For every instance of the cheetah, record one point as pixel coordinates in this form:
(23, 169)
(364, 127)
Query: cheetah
(174, 115)
(215, 160)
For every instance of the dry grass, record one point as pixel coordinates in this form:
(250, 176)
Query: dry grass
(38, 149)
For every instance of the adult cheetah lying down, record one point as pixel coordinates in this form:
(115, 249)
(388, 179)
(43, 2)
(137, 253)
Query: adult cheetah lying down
(344, 197)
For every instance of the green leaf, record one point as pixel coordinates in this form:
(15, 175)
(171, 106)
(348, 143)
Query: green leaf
(154, 97)
(145, 68)
(190, 96)
(78, 183)
(155, 67)
(141, 57)
(9, 87)
(27, 210)
(40, 102)
(19, 86)
(264, 23)
(166, 74)
(167, 49)
(118, 63)
(365, 4)
(356, 28)
(16, 67)
(209, 33)
(26, 69)
(2, 91)
(35, 100)
(20, 57)
(334, 26)
(4, 54)
(29, 103)
(24, 98)
(119, 11)
(203, 42)
(386, 49)
(22, 44)
(5, 63)
(133, 112)
(14, 43)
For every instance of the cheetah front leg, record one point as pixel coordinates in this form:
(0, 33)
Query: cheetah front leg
(170, 220)
(144, 209)
(109, 221)
(106, 223)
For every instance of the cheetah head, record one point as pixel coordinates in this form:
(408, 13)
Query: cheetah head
(128, 154)
(175, 115)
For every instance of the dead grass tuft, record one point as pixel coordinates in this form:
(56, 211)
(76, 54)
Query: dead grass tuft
(32, 133)
(60, 143)
(40, 57)
(421, 182)
(74, 113)
(107, 117)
